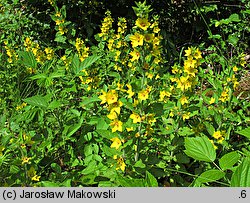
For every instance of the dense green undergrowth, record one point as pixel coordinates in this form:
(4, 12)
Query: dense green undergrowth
(124, 106)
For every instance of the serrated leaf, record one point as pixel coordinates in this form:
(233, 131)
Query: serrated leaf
(241, 176)
(210, 176)
(228, 160)
(245, 132)
(200, 148)
(37, 100)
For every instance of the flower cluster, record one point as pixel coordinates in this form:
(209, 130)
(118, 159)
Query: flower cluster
(12, 55)
(82, 49)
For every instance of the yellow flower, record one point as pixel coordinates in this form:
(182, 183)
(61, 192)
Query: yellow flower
(25, 160)
(143, 95)
(186, 116)
(183, 83)
(150, 118)
(212, 100)
(110, 97)
(116, 143)
(175, 69)
(135, 55)
(116, 126)
(142, 23)
(130, 129)
(217, 135)
(112, 115)
(224, 95)
(188, 52)
(103, 97)
(197, 54)
(164, 95)
(136, 40)
(148, 37)
(36, 178)
(184, 100)
(135, 117)
(115, 107)
(120, 163)
(235, 69)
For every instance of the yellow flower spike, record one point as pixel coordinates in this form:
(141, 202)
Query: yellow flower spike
(136, 40)
(116, 143)
(135, 117)
(116, 125)
(142, 23)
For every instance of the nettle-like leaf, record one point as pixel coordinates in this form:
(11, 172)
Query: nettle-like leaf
(200, 148)
(241, 176)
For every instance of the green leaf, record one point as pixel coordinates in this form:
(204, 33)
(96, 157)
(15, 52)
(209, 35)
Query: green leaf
(14, 169)
(228, 160)
(54, 104)
(245, 132)
(56, 168)
(27, 59)
(105, 133)
(151, 181)
(210, 128)
(233, 39)
(139, 164)
(91, 168)
(89, 100)
(210, 176)
(241, 176)
(37, 100)
(234, 17)
(200, 148)
(79, 66)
